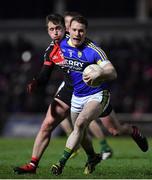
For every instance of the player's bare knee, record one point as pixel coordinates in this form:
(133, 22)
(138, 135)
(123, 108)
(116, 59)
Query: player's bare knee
(79, 124)
(47, 128)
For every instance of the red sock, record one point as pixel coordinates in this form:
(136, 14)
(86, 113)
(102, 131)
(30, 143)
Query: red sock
(34, 161)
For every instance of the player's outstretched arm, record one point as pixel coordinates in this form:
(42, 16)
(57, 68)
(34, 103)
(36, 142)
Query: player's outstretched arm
(41, 79)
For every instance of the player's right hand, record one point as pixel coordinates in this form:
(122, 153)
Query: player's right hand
(31, 86)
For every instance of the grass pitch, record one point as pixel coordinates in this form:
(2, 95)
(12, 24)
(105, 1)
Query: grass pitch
(128, 161)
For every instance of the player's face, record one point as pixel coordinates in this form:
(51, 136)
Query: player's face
(56, 31)
(77, 33)
(67, 22)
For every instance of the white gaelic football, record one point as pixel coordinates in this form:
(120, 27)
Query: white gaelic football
(91, 69)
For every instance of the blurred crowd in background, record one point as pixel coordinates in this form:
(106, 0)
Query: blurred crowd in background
(21, 60)
(131, 92)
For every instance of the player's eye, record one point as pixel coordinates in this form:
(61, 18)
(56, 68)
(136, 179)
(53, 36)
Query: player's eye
(59, 28)
(51, 29)
(81, 31)
(74, 30)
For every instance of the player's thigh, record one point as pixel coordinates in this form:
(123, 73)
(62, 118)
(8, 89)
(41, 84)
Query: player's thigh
(90, 111)
(57, 111)
(96, 104)
(49, 122)
(111, 121)
(90, 107)
(59, 108)
(74, 116)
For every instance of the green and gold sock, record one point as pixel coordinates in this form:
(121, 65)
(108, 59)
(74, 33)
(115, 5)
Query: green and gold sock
(66, 154)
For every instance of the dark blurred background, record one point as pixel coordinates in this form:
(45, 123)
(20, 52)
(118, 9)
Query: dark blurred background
(122, 28)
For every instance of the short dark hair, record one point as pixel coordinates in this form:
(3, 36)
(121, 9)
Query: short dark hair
(80, 19)
(56, 19)
(71, 13)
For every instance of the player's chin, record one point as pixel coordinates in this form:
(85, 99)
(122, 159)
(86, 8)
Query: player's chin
(77, 43)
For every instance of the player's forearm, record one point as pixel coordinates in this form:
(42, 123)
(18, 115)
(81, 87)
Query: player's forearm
(44, 75)
(108, 72)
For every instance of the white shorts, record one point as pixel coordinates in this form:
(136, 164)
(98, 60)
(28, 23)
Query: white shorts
(77, 103)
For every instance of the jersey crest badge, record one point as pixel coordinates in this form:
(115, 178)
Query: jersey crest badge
(79, 54)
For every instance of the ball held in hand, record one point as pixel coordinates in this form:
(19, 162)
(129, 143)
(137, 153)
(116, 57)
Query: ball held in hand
(91, 70)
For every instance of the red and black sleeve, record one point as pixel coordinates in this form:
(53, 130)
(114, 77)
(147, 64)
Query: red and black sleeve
(48, 65)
